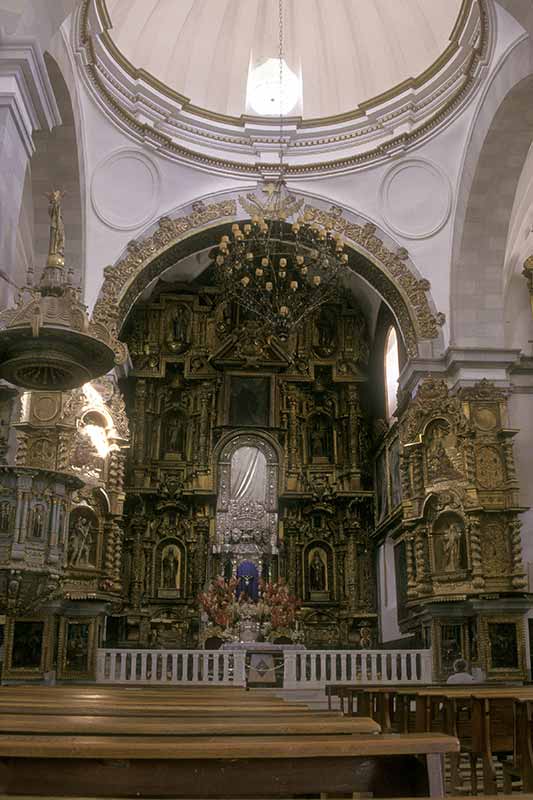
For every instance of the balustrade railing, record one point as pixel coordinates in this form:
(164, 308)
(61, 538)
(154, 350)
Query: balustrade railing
(222, 667)
(302, 669)
(310, 669)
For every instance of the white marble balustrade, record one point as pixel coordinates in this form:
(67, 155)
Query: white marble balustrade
(310, 669)
(222, 667)
(303, 669)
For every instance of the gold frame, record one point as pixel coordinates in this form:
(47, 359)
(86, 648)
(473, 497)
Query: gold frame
(62, 671)
(502, 673)
(33, 673)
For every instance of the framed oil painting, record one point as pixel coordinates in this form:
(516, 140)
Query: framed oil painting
(502, 638)
(76, 657)
(249, 401)
(26, 642)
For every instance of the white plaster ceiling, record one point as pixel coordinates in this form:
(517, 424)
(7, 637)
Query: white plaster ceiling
(346, 51)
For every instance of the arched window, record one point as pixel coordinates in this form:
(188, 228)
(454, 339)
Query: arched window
(392, 370)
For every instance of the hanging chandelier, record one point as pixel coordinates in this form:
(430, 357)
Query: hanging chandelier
(47, 341)
(282, 273)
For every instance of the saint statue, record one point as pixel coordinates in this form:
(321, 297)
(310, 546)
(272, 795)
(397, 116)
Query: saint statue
(80, 543)
(38, 524)
(56, 249)
(320, 439)
(174, 434)
(317, 573)
(452, 547)
(170, 565)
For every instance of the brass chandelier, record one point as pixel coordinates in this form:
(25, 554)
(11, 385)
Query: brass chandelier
(280, 272)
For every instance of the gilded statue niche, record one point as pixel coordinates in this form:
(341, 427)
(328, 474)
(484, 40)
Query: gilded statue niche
(449, 546)
(169, 569)
(177, 323)
(83, 539)
(174, 435)
(318, 572)
(320, 439)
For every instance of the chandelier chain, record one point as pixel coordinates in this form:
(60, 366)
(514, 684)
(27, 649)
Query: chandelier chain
(281, 54)
(282, 273)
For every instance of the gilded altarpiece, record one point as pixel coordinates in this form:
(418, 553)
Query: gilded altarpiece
(460, 527)
(246, 450)
(61, 526)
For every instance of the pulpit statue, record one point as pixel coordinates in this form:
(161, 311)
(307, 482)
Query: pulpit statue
(56, 248)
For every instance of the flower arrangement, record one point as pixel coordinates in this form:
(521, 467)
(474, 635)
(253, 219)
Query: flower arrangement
(273, 614)
(219, 602)
(281, 606)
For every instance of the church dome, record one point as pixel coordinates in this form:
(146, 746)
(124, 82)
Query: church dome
(199, 79)
(339, 54)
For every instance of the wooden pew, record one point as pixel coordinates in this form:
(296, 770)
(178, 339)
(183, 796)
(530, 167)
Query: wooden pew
(222, 766)
(131, 702)
(304, 724)
(521, 765)
(480, 716)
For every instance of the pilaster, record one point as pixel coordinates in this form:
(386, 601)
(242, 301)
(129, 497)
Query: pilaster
(27, 104)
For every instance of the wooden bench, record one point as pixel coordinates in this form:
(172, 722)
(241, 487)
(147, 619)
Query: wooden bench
(221, 766)
(480, 716)
(521, 765)
(305, 724)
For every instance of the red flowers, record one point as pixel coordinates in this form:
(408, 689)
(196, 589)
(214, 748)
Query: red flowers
(275, 610)
(219, 600)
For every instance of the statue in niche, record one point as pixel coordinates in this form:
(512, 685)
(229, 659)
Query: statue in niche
(170, 568)
(452, 539)
(320, 438)
(317, 572)
(325, 334)
(37, 525)
(81, 543)
(177, 324)
(174, 433)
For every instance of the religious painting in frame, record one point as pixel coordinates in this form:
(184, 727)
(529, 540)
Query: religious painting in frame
(76, 654)
(26, 647)
(502, 638)
(250, 401)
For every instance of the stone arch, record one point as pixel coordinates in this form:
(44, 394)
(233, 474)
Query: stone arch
(375, 257)
(500, 138)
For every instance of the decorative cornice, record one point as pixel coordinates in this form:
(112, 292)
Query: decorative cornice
(25, 88)
(152, 113)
